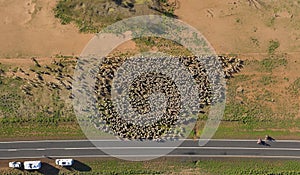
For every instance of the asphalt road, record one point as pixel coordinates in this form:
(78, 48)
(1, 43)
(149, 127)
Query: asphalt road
(188, 148)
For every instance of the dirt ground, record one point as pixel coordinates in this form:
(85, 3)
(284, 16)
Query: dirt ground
(232, 26)
(29, 28)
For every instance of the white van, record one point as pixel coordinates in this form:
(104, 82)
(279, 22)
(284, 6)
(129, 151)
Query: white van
(64, 162)
(32, 165)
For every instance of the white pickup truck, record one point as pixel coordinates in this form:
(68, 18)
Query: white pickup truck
(15, 164)
(64, 162)
(32, 165)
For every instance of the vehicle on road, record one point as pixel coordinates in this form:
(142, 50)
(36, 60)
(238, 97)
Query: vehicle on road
(259, 141)
(64, 162)
(15, 164)
(32, 165)
(262, 142)
(269, 138)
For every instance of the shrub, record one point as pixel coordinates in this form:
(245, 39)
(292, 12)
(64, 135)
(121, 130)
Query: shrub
(273, 45)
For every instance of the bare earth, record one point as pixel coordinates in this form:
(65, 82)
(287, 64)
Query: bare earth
(229, 25)
(29, 28)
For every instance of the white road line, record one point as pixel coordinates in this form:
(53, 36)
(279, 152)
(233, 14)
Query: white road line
(217, 148)
(155, 148)
(109, 140)
(12, 150)
(84, 148)
(154, 156)
(41, 149)
(205, 156)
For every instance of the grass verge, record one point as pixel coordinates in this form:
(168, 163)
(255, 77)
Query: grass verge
(175, 166)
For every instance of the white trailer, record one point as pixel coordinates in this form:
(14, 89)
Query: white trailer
(32, 165)
(64, 162)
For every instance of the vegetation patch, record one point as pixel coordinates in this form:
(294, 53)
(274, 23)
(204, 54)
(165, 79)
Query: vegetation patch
(249, 166)
(34, 102)
(267, 80)
(272, 62)
(294, 88)
(273, 45)
(247, 114)
(255, 41)
(146, 44)
(91, 16)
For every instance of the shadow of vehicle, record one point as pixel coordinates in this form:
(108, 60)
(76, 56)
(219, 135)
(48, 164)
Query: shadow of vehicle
(48, 169)
(264, 143)
(190, 153)
(79, 166)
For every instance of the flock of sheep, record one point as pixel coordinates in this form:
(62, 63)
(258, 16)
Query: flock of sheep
(53, 77)
(167, 121)
(170, 124)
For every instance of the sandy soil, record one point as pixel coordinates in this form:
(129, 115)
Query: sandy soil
(29, 28)
(232, 25)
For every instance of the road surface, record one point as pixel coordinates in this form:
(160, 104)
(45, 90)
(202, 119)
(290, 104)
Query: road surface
(189, 148)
